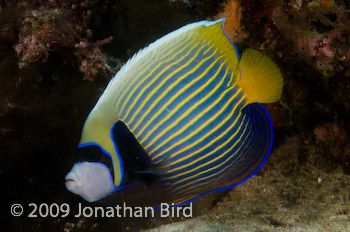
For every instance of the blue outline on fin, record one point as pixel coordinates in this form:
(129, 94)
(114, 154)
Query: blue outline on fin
(242, 181)
(234, 45)
(210, 23)
(223, 29)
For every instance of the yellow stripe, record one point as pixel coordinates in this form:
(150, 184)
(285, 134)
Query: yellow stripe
(207, 145)
(168, 102)
(145, 78)
(134, 88)
(233, 79)
(195, 186)
(215, 167)
(194, 120)
(154, 79)
(151, 94)
(126, 85)
(170, 126)
(129, 84)
(213, 180)
(206, 155)
(180, 200)
(184, 102)
(230, 182)
(204, 137)
(210, 153)
(184, 199)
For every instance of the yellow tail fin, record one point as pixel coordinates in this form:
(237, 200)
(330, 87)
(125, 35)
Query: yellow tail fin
(261, 79)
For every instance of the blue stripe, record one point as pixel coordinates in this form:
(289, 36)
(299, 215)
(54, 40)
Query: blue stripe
(268, 144)
(190, 128)
(136, 70)
(252, 147)
(209, 139)
(186, 80)
(204, 131)
(175, 76)
(163, 67)
(174, 90)
(218, 163)
(184, 96)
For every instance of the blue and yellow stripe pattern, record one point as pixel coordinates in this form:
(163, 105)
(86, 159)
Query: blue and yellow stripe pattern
(186, 99)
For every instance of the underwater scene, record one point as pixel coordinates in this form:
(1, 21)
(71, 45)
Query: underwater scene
(175, 115)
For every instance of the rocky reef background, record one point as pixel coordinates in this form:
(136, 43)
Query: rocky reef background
(56, 57)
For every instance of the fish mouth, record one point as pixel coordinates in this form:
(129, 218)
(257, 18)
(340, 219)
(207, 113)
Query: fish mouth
(73, 183)
(71, 177)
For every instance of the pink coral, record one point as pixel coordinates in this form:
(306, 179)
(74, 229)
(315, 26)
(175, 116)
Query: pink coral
(29, 49)
(326, 44)
(319, 37)
(47, 29)
(92, 59)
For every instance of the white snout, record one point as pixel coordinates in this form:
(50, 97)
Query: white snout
(90, 180)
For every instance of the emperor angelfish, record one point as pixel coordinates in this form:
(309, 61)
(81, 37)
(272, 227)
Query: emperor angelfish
(183, 113)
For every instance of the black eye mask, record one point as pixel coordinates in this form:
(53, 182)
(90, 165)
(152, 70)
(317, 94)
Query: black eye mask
(93, 153)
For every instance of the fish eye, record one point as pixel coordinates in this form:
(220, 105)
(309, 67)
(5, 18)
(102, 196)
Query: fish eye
(93, 153)
(89, 153)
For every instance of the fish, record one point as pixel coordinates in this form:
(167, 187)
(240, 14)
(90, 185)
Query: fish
(183, 116)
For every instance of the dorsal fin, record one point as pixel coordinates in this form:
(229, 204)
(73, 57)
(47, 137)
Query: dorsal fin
(201, 32)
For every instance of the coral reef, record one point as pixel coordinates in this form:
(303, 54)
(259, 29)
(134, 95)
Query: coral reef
(60, 26)
(94, 61)
(232, 13)
(324, 35)
(318, 30)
